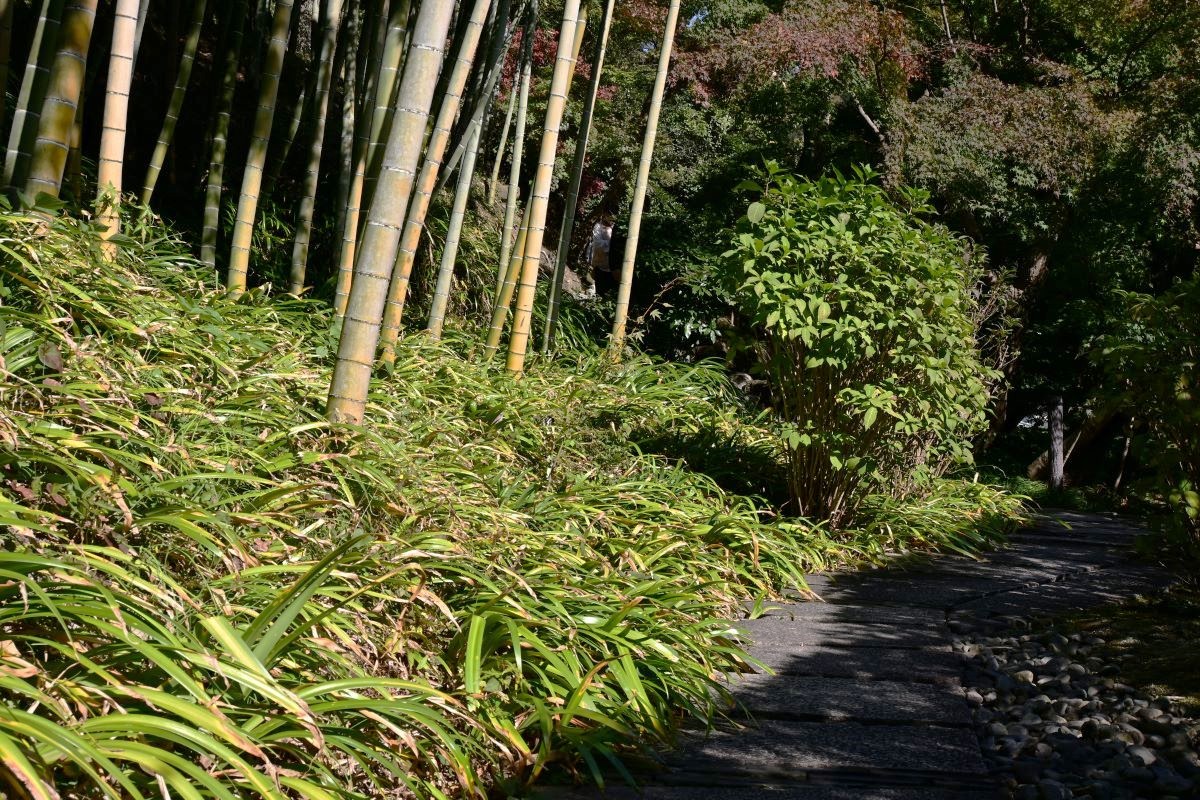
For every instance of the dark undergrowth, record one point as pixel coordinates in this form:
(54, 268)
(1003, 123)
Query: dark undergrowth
(208, 590)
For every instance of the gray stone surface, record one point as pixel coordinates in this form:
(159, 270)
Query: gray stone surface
(940, 666)
(781, 696)
(778, 749)
(801, 632)
(817, 611)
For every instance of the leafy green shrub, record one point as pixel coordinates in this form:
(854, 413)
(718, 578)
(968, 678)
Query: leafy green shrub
(866, 316)
(1154, 362)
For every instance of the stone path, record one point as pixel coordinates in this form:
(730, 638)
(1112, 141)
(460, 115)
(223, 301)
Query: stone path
(866, 701)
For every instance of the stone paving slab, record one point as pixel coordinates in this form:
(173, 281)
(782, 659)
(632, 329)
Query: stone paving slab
(910, 591)
(800, 632)
(793, 792)
(781, 696)
(869, 663)
(778, 749)
(785, 613)
(1085, 591)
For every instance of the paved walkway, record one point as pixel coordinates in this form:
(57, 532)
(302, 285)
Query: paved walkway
(866, 701)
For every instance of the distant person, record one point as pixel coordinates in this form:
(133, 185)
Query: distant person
(597, 254)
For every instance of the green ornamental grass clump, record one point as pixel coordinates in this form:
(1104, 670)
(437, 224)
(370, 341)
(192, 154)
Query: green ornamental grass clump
(866, 314)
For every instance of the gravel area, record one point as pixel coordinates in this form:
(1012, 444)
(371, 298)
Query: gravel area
(1055, 721)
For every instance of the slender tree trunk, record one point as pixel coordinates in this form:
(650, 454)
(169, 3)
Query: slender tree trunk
(539, 196)
(28, 111)
(62, 99)
(332, 19)
(6, 25)
(439, 139)
(223, 108)
(116, 118)
(143, 16)
(264, 119)
(385, 220)
(441, 292)
(502, 146)
(353, 171)
(505, 290)
(388, 49)
(643, 180)
(167, 133)
(283, 150)
(514, 170)
(569, 210)
(1057, 457)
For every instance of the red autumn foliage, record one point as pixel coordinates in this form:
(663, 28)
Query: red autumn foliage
(809, 37)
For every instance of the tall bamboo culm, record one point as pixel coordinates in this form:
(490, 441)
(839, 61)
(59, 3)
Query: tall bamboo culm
(353, 167)
(178, 94)
(28, 111)
(116, 118)
(441, 291)
(439, 140)
(518, 153)
(6, 25)
(643, 179)
(494, 181)
(331, 20)
(504, 291)
(539, 196)
(570, 209)
(264, 119)
(223, 108)
(385, 220)
(62, 99)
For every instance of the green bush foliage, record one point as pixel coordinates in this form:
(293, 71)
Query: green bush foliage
(866, 315)
(1154, 363)
(206, 589)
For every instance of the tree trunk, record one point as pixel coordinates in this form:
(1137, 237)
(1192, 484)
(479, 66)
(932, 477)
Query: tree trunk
(381, 239)
(63, 94)
(223, 108)
(143, 17)
(6, 25)
(353, 170)
(32, 94)
(378, 109)
(111, 166)
(569, 210)
(514, 170)
(441, 292)
(331, 21)
(178, 94)
(539, 196)
(1057, 458)
(502, 146)
(643, 179)
(505, 290)
(435, 150)
(1092, 426)
(264, 120)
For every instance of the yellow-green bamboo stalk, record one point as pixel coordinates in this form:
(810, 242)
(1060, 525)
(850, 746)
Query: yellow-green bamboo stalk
(505, 290)
(236, 26)
(439, 139)
(167, 133)
(514, 170)
(143, 16)
(380, 108)
(264, 119)
(6, 25)
(385, 220)
(539, 196)
(353, 169)
(441, 292)
(569, 210)
(502, 146)
(643, 179)
(62, 99)
(331, 20)
(28, 110)
(116, 118)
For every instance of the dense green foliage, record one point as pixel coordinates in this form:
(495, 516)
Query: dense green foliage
(207, 582)
(867, 314)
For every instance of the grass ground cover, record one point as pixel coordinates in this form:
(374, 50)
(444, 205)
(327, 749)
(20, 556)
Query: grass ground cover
(208, 591)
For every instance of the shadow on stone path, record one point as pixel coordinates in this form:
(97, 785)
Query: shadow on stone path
(866, 701)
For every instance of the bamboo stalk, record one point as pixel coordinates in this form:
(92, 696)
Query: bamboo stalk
(28, 110)
(643, 180)
(505, 290)
(236, 26)
(6, 25)
(539, 196)
(63, 93)
(570, 209)
(351, 179)
(441, 292)
(167, 133)
(330, 23)
(111, 166)
(385, 220)
(439, 139)
(514, 170)
(502, 146)
(264, 120)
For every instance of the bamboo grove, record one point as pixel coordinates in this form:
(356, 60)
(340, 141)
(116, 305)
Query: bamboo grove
(384, 104)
